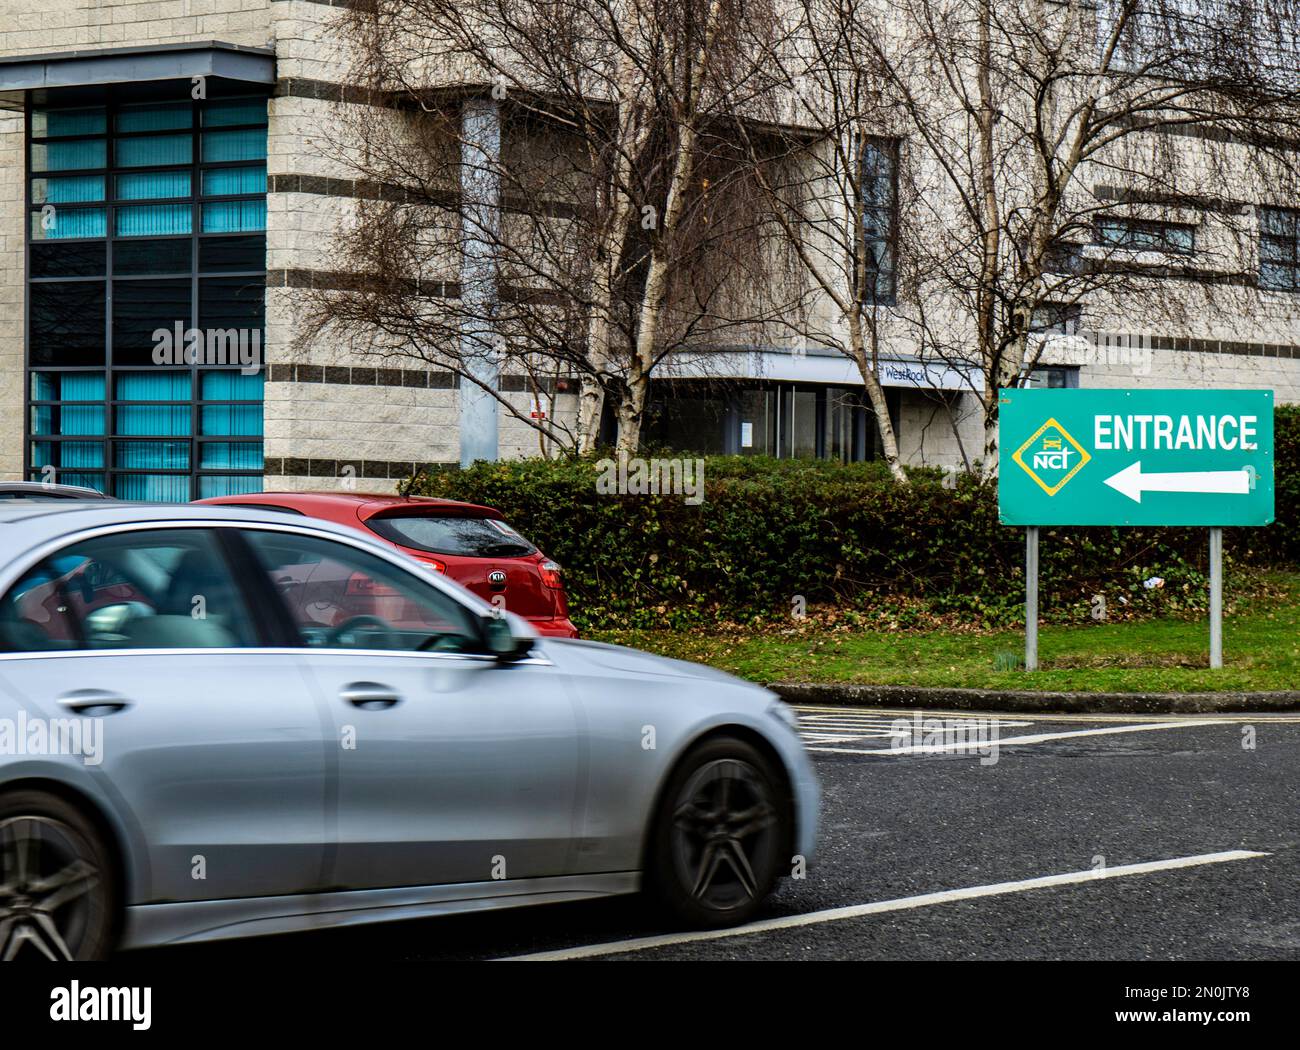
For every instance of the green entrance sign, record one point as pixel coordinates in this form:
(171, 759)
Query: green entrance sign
(1135, 457)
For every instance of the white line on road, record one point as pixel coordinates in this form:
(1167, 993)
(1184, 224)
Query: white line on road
(858, 911)
(1036, 738)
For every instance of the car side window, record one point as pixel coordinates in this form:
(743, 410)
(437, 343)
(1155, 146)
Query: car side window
(137, 589)
(344, 598)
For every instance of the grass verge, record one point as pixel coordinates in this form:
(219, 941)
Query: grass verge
(1261, 652)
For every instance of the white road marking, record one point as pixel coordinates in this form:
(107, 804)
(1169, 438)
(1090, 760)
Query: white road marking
(987, 741)
(858, 911)
(853, 727)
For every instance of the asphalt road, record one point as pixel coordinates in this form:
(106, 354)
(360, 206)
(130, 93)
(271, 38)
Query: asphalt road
(1081, 798)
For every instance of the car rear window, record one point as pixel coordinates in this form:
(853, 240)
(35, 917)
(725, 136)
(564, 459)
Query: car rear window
(468, 537)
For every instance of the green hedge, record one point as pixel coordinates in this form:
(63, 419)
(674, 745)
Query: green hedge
(847, 542)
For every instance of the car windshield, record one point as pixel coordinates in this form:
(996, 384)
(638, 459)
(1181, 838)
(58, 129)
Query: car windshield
(469, 537)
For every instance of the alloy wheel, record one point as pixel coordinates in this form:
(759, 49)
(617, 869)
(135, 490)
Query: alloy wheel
(723, 831)
(49, 890)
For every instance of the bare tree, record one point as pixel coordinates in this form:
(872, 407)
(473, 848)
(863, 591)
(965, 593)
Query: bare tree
(625, 227)
(1056, 156)
(832, 191)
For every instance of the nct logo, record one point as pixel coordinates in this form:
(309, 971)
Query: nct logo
(1051, 457)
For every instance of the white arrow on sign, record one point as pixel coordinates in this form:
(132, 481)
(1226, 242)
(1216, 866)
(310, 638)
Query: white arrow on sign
(1132, 482)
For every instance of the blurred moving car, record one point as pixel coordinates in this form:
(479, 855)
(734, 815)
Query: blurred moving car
(199, 686)
(472, 545)
(39, 490)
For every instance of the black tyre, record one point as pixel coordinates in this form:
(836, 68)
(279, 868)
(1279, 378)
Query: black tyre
(716, 847)
(57, 896)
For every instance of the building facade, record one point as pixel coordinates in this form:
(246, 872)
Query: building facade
(166, 196)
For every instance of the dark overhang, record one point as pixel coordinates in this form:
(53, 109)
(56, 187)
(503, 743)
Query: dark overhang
(124, 65)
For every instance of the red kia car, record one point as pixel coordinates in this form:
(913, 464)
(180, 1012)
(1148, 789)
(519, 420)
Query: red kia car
(470, 544)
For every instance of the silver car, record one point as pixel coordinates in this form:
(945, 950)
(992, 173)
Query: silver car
(218, 723)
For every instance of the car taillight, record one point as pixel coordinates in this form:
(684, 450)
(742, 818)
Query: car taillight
(551, 575)
(433, 563)
(362, 586)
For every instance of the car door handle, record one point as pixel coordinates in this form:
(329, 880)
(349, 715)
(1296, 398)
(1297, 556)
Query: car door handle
(94, 700)
(371, 696)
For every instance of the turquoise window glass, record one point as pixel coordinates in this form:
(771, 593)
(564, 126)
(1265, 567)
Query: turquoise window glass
(154, 220)
(148, 185)
(45, 387)
(167, 116)
(234, 111)
(59, 454)
(221, 146)
(81, 386)
(232, 386)
(153, 420)
(153, 488)
(63, 224)
(233, 455)
(234, 216)
(152, 455)
(72, 419)
(152, 386)
(232, 420)
(227, 486)
(69, 156)
(68, 189)
(82, 419)
(154, 149)
(48, 122)
(223, 182)
(68, 387)
(81, 454)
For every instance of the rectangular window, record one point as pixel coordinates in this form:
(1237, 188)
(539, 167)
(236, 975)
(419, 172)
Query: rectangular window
(152, 116)
(1145, 235)
(1279, 249)
(69, 156)
(153, 220)
(67, 189)
(66, 323)
(167, 196)
(221, 146)
(149, 150)
(59, 224)
(223, 182)
(878, 196)
(153, 185)
(234, 216)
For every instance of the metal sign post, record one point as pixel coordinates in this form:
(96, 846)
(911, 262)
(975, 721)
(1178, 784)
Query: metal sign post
(1216, 597)
(1031, 598)
(1134, 457)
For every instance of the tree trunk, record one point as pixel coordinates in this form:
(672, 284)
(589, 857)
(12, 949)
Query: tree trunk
(631, 409)
(656, 282)
(629, 141)
(876, 394)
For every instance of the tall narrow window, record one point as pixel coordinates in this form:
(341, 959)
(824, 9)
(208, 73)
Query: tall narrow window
(878, 192)
(1279, 249)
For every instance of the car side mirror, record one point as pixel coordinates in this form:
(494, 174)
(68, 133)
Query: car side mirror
(503, 642)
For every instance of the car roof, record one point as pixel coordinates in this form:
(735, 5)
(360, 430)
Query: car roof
(41, 490)
(25, 526)
(367, 504)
